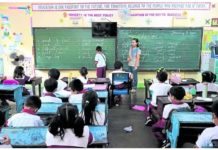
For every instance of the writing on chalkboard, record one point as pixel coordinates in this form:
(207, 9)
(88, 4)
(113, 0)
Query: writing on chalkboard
(69, 48)
(172, 48)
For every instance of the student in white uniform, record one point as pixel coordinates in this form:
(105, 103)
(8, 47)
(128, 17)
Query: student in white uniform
(83, 78)
(67, 129)
(155, 80)
(176, 95)
(89, 113)
(76, 88)
(28, 117)
(55, 73)
(157, 89)
(207, 78)
(49, 97)
(4, 140)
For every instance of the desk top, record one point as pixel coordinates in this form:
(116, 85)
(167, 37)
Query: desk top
(33, 136)
(185, 82)
(37, 80)
(51, 108)
(94, 80)
(193, 117)
(9, 87)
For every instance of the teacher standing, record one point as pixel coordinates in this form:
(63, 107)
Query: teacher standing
(134, 61)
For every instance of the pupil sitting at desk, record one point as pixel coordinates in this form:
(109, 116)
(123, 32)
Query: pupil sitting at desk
(158, 89)
(76, 88)
(176, 95)
(208, 78)
(19, 75)
(55, 74)
(89, 114)
(28, 117)
(50, 87)
(5, 141)
(83, 78)
(67, 129)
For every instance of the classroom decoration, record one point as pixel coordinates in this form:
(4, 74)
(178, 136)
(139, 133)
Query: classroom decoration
(171, 48)
(16, 59)
(205, 60)
(1, 67)
(10, 41)
(124, 14)
(210, 36)
(69, 48)
(214, 22)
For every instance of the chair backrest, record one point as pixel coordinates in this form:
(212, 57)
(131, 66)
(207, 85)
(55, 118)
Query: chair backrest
(168, 122)
(121, 79)
(215, 143)
(10, 82)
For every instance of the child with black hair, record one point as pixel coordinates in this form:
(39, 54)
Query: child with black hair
(28, 117)
(83, 78)
(76, 88)
(155, 80)
(89, 114)
(55, 73)
(5, 142)
(208, 78)
(19, 75)
(157, 89)
(50, 86)
(100, 61)
(175, 95)
(67, 129)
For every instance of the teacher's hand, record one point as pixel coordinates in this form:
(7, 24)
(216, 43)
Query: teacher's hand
(135, 67)
(128, 59)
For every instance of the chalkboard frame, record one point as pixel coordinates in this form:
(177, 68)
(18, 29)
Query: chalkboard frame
(165, 28)
(34, 49)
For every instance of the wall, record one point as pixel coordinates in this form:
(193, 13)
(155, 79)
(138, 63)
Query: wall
(21, 20)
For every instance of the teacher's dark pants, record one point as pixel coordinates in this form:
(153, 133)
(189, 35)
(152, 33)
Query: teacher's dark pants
(101, 72)
(135, 76)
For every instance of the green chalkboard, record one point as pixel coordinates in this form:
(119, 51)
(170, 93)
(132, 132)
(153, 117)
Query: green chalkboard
(172, 48)
(69, 48)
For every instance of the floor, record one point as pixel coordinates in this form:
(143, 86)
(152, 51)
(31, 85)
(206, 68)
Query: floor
(122, 116)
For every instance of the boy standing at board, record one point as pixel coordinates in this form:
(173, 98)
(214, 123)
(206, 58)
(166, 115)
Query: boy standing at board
(100, 61)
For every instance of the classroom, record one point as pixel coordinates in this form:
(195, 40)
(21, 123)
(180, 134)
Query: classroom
(109, 74)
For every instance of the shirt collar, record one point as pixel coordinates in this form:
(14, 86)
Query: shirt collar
(49, 94)
(29, 111)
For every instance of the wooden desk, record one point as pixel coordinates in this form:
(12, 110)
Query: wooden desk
(94, 80)
(34, 82)
(27, 137)
(16, 91)
(185, 82)
(187, 126)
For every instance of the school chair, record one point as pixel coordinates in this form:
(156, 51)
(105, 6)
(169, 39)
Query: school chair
(121, 85)
(215, 143)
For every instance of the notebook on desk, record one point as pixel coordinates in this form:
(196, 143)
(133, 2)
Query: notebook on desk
(204, 99)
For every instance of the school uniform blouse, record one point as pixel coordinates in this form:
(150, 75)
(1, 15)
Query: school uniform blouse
(69, 139)
(50, 98)
(83, 80)
(75, 98)
(26, 118)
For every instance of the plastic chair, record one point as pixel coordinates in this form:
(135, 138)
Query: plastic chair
(120, 85)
